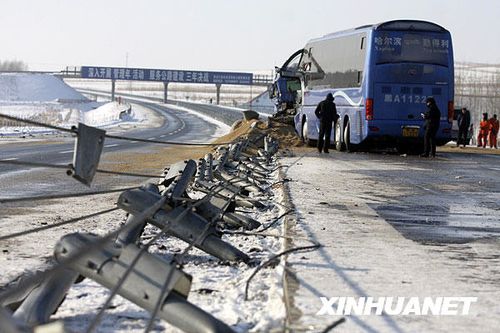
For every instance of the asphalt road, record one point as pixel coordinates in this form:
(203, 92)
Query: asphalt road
(16, 180)
(394, 226)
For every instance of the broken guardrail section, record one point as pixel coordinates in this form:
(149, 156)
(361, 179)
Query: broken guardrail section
(192, 202)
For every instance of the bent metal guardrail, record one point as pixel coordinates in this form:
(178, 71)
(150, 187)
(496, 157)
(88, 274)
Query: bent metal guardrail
(226, 179)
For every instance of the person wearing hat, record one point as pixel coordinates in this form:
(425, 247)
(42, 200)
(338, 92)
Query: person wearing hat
(431, 118)
(326, 112)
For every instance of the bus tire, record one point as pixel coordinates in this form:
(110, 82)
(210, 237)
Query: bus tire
(339, 145)
(349, 147)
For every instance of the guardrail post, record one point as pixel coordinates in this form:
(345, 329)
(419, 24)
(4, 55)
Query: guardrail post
(210, 166)
(200, 172)
(182, 223)
(10, 325)
(89, 144)
(45, 299)
(145, 283)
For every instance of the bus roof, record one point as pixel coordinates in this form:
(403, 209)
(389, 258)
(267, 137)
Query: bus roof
(400, 25)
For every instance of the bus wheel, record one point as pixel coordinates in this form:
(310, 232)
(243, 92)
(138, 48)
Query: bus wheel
(305, 139)
(339, 145)
(347, 138)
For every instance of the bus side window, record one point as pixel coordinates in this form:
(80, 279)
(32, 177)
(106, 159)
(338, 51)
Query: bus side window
(362, 43)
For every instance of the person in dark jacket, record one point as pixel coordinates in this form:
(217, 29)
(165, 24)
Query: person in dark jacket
(463, 121)
(431, 118)
(326, 112)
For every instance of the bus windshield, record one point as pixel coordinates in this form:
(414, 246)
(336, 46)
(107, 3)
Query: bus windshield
(396, 47)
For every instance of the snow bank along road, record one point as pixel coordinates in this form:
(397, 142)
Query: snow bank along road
(396, 226)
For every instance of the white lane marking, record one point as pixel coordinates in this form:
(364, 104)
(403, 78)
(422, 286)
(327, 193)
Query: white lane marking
(162, 136)
(151, 138)
(134, 141)
(66, 152)
(112, 145)
(9, 159)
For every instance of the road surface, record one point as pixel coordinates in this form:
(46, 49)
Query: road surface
(395, 226)
(18, 180)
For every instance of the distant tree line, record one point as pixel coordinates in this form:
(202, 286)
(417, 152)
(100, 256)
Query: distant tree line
(13, 66)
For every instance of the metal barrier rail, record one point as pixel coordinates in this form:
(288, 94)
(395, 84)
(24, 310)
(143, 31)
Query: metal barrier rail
(116, 261)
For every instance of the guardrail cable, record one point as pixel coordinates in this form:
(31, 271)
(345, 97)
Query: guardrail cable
(179, 258)
(64, 196)
(98, 244)
(143, 249)
(69, 167)
(276, 220)
(273, 258)
(39, 124)
(117, 137)
(58, 224)
(138, 219)
(333, 325)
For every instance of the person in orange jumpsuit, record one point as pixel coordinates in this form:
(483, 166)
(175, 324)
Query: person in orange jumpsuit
(484, 129)
(492, 138)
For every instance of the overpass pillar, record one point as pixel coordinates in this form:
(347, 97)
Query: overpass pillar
(218, 85)
(112, 90)
(165, 91)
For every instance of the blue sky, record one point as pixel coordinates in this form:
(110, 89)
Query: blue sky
(217, 34)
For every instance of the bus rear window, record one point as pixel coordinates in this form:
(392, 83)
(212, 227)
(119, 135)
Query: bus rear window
(394, 47)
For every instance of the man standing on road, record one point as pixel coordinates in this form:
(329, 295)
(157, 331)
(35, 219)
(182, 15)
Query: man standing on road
(431, 117)
(493, 131)
(463, 121)
(326, 112)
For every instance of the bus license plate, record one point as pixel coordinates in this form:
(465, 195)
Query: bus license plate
(410, 132)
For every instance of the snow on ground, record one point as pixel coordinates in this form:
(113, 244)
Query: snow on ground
(218, 288)
(364, 256)
(47, 99)
(36, 88)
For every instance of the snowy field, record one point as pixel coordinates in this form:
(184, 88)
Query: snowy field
(47, 99)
